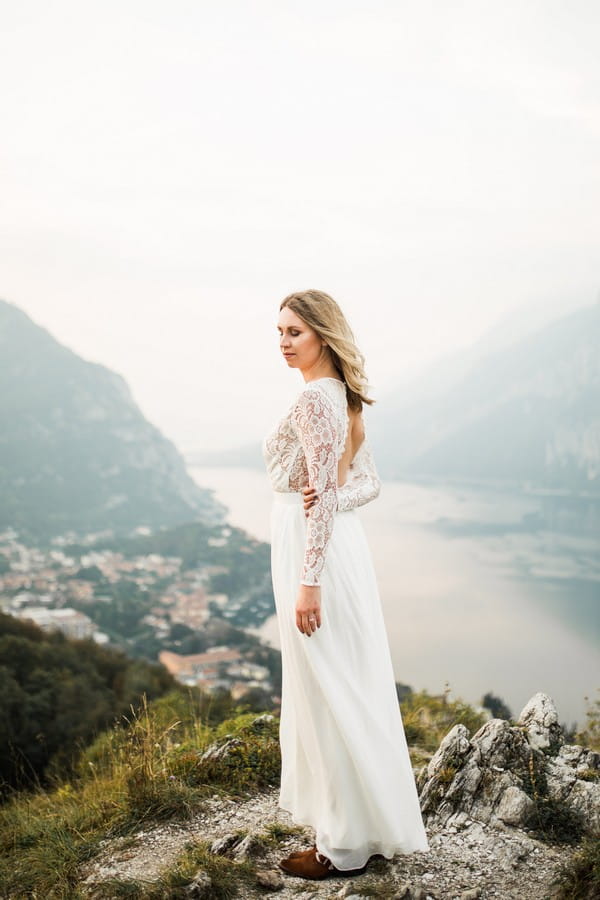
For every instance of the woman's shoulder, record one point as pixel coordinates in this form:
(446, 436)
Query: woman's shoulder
(332, 387)
(322, 391)
(319, 398)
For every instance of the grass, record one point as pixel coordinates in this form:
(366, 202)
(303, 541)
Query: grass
(226, 876)
(147, 769)
(550, 820)
(579, 879)
(427, 719)
(275, 832)
(45, 837)
(589, 735)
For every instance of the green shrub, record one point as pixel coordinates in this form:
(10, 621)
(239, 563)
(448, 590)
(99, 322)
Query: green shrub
(589, 736)
(579, 879)
(249, 757)
(146, 768)
(427, 719)
(550, 819)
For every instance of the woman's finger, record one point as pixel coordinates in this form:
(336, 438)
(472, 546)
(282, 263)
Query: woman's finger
(303, 623)
(313, 622)
(310, 499)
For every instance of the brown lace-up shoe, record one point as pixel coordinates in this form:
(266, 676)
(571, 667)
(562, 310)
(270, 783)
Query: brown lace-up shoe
(315, 865)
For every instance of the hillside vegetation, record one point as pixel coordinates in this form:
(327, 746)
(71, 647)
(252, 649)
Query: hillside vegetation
(155, 765)
(58, 694)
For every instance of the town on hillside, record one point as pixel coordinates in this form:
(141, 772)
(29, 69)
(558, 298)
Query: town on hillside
(147, 604)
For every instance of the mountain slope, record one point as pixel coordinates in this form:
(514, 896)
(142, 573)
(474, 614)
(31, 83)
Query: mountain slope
(76, 453)
(529, 412)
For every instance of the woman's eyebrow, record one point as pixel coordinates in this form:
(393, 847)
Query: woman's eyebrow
(297, 327)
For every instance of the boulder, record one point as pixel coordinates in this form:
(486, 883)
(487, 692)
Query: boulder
(496, 776)
(540, 719)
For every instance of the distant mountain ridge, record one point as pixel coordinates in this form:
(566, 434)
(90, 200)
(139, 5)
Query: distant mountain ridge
(76, 453)
(527, 413)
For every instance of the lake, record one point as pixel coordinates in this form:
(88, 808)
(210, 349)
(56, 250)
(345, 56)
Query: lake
(481, 590)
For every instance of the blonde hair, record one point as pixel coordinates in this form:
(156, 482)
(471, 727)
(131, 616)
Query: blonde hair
(322, 313)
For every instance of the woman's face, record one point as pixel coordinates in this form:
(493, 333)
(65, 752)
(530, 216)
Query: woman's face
(299, 343)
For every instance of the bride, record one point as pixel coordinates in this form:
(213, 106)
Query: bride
(345, 767)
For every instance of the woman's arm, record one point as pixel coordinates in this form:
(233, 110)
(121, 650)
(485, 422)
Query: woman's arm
(314, 418)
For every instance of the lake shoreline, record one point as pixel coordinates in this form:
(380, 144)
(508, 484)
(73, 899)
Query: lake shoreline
(471, 610)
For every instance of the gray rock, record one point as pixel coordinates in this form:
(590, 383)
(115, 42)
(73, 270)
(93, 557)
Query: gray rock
(585, 800)
(346, 891)
(540, 718)
(403, 892)
(454, 746)
(486, 778)
(219, 751)
(514, 806)
(223, 844)
(249, 847)
(571, 753)
(200, 887)
(409, 892)
(269, 879)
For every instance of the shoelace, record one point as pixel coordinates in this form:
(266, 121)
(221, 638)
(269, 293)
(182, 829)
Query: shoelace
(324, 860)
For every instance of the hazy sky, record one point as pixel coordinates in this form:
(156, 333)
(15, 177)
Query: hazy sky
(171, 170)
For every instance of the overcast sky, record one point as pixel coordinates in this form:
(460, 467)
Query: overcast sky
(171, 170)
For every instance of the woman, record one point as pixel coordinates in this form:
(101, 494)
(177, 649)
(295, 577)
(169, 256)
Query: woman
(345, 768)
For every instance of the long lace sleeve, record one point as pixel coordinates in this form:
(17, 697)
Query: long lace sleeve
(362, 484)
(314, 418)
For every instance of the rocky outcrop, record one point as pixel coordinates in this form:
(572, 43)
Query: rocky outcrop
(490, 802)
(520, 776)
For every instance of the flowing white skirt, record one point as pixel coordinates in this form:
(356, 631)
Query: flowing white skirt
(345, 767)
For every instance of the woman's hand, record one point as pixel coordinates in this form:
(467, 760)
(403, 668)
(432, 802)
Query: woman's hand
(308, 608)
(310, 498)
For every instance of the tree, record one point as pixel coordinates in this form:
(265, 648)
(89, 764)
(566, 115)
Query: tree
(496, 706)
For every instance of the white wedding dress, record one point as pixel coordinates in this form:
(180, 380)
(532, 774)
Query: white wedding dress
(345, 767)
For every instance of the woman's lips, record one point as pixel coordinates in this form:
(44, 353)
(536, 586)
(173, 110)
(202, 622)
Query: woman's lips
(287, 355)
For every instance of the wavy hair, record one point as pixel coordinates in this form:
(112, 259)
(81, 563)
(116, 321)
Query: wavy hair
(322, 313)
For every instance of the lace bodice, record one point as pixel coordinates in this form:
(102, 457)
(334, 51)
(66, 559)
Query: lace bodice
(304, 448)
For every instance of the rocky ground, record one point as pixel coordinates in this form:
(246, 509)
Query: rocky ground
(470, 861)
(477, 796)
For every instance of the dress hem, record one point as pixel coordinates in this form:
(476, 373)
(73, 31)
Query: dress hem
(297, 821)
